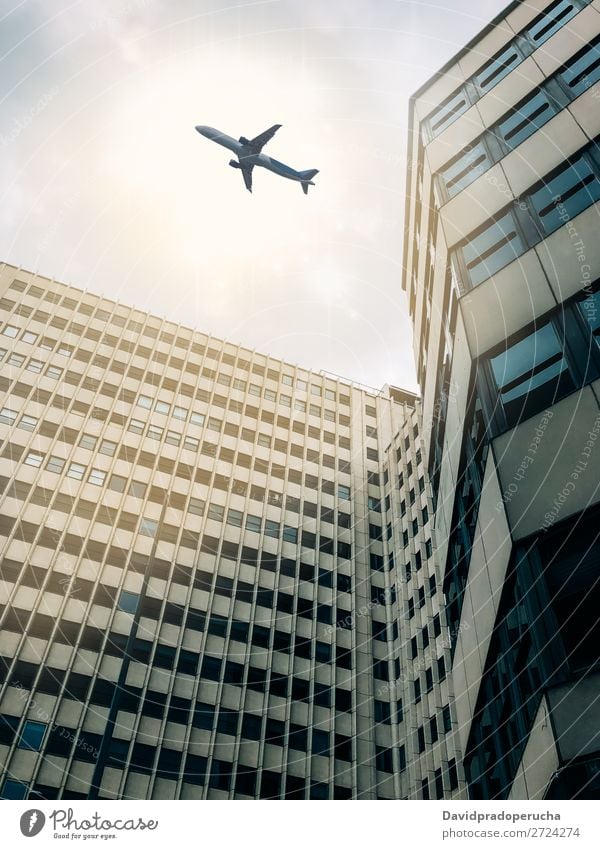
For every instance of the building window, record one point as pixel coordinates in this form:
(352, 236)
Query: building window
(465, 169)
(582, 71)
(551, 20)
(497, 68)
(8, 416)
(15, 360)
(97, 477)
(14, 789)
(148, 527)
(343, 492)
(88, 441)
(107, 447)
(136, 426)
(29, 337)
(76, 471)
(54, 372)
(196, 506)
(34, 459)
(155, 432)
(493, 247)
(117, 483)
(10, 330)
(527, 117)
(35, 366)
(145, 401)
(566, 192)
(128, 601)
(163, 408)
(445, 114)
(32, 736)
(55, 464)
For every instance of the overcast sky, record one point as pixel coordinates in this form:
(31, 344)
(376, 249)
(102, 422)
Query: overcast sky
(105, 185)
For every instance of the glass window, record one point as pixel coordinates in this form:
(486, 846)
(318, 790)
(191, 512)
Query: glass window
(191, 444)
(531, 374)
(64, 350)
(447, 113)
(35, 366)
(253, 523)
(54, 372)
(145, 401)
(136, 426)
(272, 528)
(10, 330)
(8, 416)
(466, 168)
(16, 360)
(29, 337)
(583, 69)
(196, 506)
(128, 601)
(214, 424)
(155, 432)
(76, 471)
(563, 196)
(197, 419)
(28, 422)
(215, 511)
(344, 492)
(290, 534)
(117, 483)
(552, 19)
(285, 400)
(316, 390)
(33, 459)
(498, 68)
(234, 517)
(180, 413)
(493, 248)
(590, 309)
(163, 408)
(300, 406)
(270, 395)
(254, 389)
(32, 736)
(88, 441)
(55, 464)
(239, 384)
(287, 380)
(97, 477)
(526, 118)
(137, 489)
(264, 440)
(302, 385)
(173, 438)
(107, 447)
(14, 789)
(148, 527)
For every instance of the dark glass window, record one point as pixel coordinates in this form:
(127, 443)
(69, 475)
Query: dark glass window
(497, 68)
(465, 169)
(447, 113)
(32, 735)
(531, 374)
(583, 69)
(527, 117)
(492, 248)
(551, 20)
(565, 193)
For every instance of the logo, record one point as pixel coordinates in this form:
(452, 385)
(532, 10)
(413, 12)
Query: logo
(32, 822)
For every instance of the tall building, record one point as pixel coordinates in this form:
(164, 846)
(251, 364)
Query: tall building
(218, 576)
(502, 271)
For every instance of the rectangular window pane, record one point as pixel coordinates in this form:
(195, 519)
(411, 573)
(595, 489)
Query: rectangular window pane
(196, 506)
(197, 419)
(180, 413)
(465, 169)
(526, 118)
(447, 113)
(553, 18)
(136, 426)
(76, 471)
(35, 366)
(498, 68)
(155, 432)
(16, 360)
(34, 459)
(566, 194)
(28, 423)
(172, 438)
(531, 374)
(493, 248)
(55, 464)
(145, 401)
(8, 416)
(215, 511)
(54, 372)
(88, 441)
(97, 477)
(163, 408)
(107, 447)
(583, 69)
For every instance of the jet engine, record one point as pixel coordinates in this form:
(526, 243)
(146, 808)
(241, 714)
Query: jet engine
(234, 164)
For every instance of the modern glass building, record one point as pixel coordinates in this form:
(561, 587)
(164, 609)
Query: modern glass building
(218, 572)
(502, 273)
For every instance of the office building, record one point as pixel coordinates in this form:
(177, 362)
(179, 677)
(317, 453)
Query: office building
(218, 576)
(502, 269)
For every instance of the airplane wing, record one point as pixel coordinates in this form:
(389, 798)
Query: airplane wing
(247, 175)
(260, 141)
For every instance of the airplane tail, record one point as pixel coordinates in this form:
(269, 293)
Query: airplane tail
(307, 178)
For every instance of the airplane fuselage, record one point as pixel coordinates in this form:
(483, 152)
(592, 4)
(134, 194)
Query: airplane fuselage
(247, 157)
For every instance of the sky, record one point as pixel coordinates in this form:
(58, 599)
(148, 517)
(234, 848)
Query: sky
(105, 185)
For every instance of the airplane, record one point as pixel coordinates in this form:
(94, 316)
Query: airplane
(248, 152)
